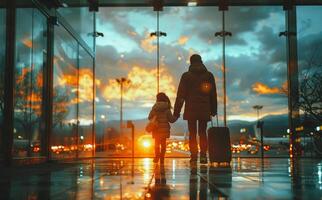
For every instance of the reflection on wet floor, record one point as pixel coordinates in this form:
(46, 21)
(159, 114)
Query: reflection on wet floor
(176, 179)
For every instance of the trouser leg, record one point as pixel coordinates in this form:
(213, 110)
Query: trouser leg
(157, 148)
(202, 126)
(163, 149)
(192, 126)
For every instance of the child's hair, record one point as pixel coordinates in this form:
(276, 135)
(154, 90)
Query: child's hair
(162, 97)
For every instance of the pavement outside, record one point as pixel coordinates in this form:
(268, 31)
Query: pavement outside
(247, 178)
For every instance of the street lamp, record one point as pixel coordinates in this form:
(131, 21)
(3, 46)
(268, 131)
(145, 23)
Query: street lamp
(258, 108)
(260, 125)
(121, 81)
(223, 35)
(158, 34)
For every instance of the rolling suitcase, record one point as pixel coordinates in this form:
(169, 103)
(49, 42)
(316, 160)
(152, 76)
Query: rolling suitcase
(219, 147)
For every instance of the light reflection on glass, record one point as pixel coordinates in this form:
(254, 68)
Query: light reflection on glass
(2, 61)
(320, 174)
(101, 182)
(30, 62)
(81, 20)
(65, 94)
(146, 167)
(289, 167)
(174, 170)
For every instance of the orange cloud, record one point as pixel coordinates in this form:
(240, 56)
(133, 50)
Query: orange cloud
(261, 88)
(147, 43)
(27, 42)
(85, 82)
(142, 86)
(86, 85)
(183, 40)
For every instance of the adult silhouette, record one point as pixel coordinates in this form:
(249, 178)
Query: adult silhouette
(197, 90)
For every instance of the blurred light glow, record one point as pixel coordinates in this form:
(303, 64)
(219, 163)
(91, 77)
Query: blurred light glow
(146, 143)
(173, 169)
(192, 3)
(243, 117)
(320, 175)
(243, 130)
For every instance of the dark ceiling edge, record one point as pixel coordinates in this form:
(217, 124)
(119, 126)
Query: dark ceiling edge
(215, 4)
(199, 5)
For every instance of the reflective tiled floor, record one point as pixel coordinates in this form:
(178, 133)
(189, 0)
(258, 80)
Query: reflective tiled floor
(118, 179)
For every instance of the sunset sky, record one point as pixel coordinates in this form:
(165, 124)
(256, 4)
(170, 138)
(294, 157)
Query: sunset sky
(255, 56)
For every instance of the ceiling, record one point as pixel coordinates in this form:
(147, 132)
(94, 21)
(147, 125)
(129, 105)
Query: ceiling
(148, 3)
(145, 3)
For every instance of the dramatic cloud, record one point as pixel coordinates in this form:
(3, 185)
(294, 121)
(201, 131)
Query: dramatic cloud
(142, 86)
(208, 20)
(255, 54)
(261, 88)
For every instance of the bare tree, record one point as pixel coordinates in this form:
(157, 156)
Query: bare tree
(310, 89)
(310, 84)
(311, 95)
(28, 102)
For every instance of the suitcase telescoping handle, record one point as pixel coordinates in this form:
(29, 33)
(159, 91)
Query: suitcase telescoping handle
(212, 123)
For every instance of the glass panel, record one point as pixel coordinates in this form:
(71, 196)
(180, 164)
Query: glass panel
(85, 112)
(64, 138)
(129, 51)
(82, 22)
(30, 62)
(257, 75)
(310, 76)
(2, 65)
(194, 34)
(125, 51)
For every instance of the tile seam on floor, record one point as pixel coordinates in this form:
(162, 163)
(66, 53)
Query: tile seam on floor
(213, 185)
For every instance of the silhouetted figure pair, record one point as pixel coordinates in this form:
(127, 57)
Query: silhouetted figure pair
(197, 90)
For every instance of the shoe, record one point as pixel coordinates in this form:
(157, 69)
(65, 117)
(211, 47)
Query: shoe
(155, 160)
(203, 160)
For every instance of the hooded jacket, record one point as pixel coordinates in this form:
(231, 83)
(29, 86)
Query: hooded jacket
(163, 116)
(197, 89)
